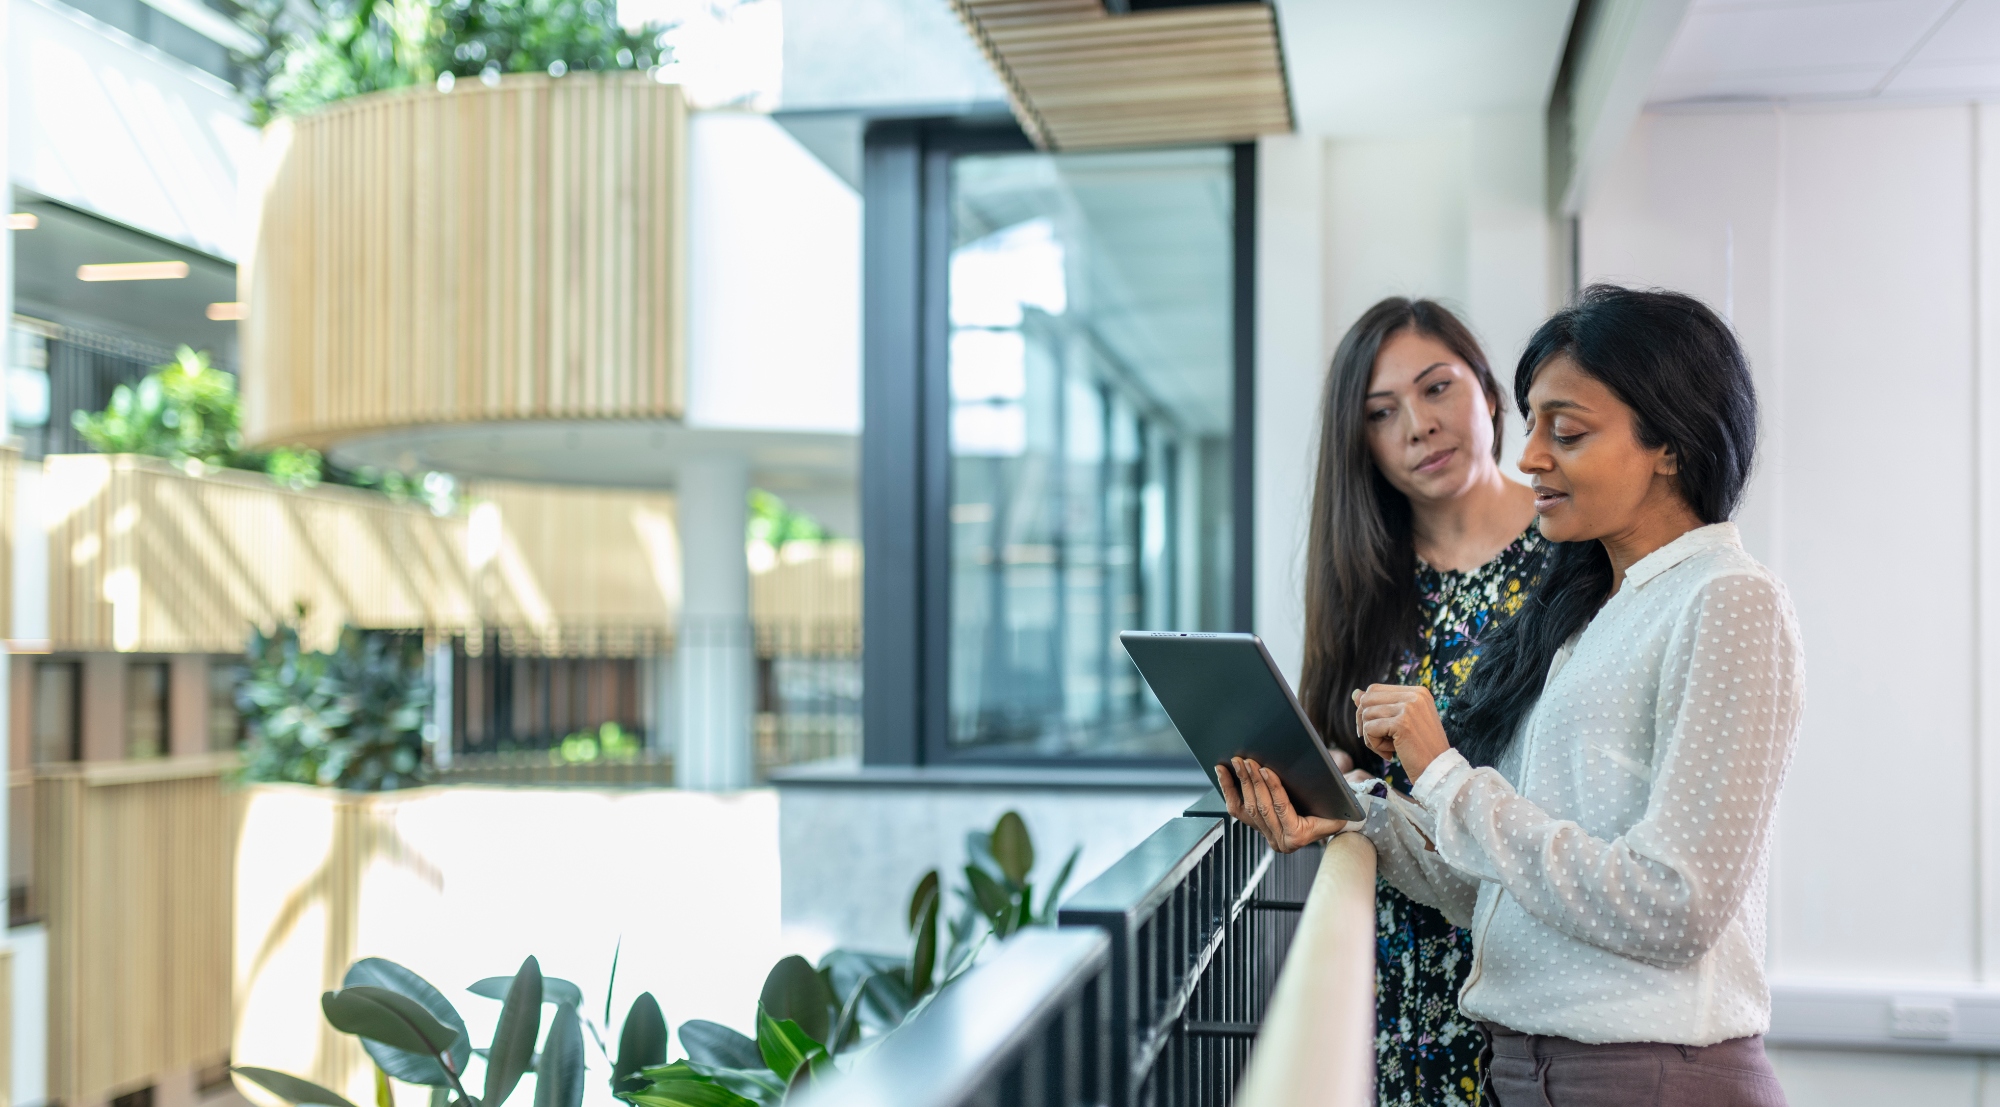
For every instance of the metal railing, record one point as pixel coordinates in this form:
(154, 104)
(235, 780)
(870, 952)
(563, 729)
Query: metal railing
(1026, 1029)
(1150, 993)
(1200, 916)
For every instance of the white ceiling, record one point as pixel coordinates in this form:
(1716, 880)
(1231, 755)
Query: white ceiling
(1362, 66)
(1832, 50)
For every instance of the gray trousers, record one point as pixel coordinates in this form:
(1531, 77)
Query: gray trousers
(1535, 1070)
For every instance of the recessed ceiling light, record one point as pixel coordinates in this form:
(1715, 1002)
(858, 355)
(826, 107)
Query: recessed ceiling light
(232, 309)
(133, 271)
(23, 221)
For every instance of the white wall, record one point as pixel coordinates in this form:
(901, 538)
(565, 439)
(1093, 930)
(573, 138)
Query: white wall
(774, 303)
(1846, 246)
(107, 123)
(1452, 211)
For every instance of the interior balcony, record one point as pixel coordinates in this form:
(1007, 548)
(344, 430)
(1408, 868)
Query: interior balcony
(571, 281)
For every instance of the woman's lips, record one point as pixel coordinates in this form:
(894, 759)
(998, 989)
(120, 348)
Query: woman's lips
(1436, 461)
(1547, 499)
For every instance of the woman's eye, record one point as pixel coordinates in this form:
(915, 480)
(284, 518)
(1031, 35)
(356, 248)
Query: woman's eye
(1565, 439)
(1378, 414)
(1437, 388)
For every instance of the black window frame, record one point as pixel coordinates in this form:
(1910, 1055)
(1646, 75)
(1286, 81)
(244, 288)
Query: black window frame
(905, 447)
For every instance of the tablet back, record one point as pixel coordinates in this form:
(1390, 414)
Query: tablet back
(1227, 699)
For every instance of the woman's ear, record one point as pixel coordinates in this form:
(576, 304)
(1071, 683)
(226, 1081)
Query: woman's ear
(1667, 465)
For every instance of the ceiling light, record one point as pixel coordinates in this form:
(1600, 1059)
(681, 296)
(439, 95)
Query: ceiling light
(23, 221)
(224, 312)
(133, 271)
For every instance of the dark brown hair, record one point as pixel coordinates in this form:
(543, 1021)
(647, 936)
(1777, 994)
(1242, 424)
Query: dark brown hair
(1678, 366)
(1361, 558)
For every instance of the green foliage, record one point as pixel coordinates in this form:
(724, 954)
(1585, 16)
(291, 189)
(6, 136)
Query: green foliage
(398, 1014)
(184, 410)
(609, 742)
(318, 52)
(188, 411)
(295, 468)
(996, 876)
(351, 718)
(774, 524)
(806, 1016)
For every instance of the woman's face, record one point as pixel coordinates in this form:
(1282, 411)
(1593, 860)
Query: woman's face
(1593, 478)
(1429, 423)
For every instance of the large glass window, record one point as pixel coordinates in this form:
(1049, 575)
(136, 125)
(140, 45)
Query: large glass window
(1091, 387)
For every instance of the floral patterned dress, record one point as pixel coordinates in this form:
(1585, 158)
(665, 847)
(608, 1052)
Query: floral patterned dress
(1426, 1052)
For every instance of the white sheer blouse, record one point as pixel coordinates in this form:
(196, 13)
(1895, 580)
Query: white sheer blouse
(1612, 868)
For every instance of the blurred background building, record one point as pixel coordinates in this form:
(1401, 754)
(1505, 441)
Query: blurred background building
(631, 404)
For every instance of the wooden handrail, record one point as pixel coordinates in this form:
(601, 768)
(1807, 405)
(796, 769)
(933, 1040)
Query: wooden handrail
(1317, 1044)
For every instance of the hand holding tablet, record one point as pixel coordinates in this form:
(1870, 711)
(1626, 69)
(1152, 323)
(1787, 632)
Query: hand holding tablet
(1241, 721)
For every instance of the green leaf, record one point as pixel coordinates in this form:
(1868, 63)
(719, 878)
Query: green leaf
(685, 1084)
(406, 1065)
(559, 1076)
(927, 891)
(794, 990)
(1012, 848)
(784, 1045)
(1054, 899)
(642, 1043)
(285, 1086)
(923, 959)
(388, 1017)
(513, 1048)
(993, 899)
(758, 1083)
(714, 1044)
(554, 989)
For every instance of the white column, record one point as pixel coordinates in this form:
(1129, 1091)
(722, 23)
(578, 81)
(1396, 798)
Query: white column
(714, 656)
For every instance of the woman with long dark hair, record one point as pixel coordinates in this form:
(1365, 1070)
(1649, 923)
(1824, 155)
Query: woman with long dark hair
(1602, 805)
(1417, 546)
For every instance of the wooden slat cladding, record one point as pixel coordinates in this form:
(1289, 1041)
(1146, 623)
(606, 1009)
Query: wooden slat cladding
(147, 558)
(1082, 79)
(137, 874)
(491, 253)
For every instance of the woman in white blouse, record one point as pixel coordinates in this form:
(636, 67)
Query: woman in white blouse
(1600, 813)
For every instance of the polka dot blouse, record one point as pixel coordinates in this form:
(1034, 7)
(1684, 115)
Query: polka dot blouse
(1613, 866)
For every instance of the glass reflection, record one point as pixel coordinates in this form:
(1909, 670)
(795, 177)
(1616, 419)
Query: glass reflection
(1091, 391)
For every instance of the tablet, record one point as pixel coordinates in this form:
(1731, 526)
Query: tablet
(1227, 698)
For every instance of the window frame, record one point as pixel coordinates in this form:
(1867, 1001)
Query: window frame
(905, 446)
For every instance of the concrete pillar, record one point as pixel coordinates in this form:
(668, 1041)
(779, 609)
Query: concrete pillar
(715, 662)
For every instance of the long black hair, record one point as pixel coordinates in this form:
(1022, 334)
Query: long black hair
(1680, 370)
(1362, 607)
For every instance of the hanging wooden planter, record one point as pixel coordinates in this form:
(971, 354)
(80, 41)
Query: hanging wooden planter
(488, 254)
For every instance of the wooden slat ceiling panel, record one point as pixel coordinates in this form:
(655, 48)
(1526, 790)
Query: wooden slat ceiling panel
(1082, 79)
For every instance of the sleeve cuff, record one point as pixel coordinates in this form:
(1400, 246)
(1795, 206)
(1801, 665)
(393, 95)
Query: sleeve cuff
(1437, 779)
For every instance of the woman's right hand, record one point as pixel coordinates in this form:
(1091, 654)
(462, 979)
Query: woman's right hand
(1256, 797)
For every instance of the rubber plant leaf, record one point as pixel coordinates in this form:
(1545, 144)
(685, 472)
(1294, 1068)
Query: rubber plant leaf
(642, 1043)
(1012, 848)
(994, 901)
(795, 990)
(388, 1017)
(285, 1086)
(559, 1077)
(923, 958)
(712, 1043)
(406, 1065)
(927, 890)
(513, 1048)
(554, 990)
(784, 1045)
